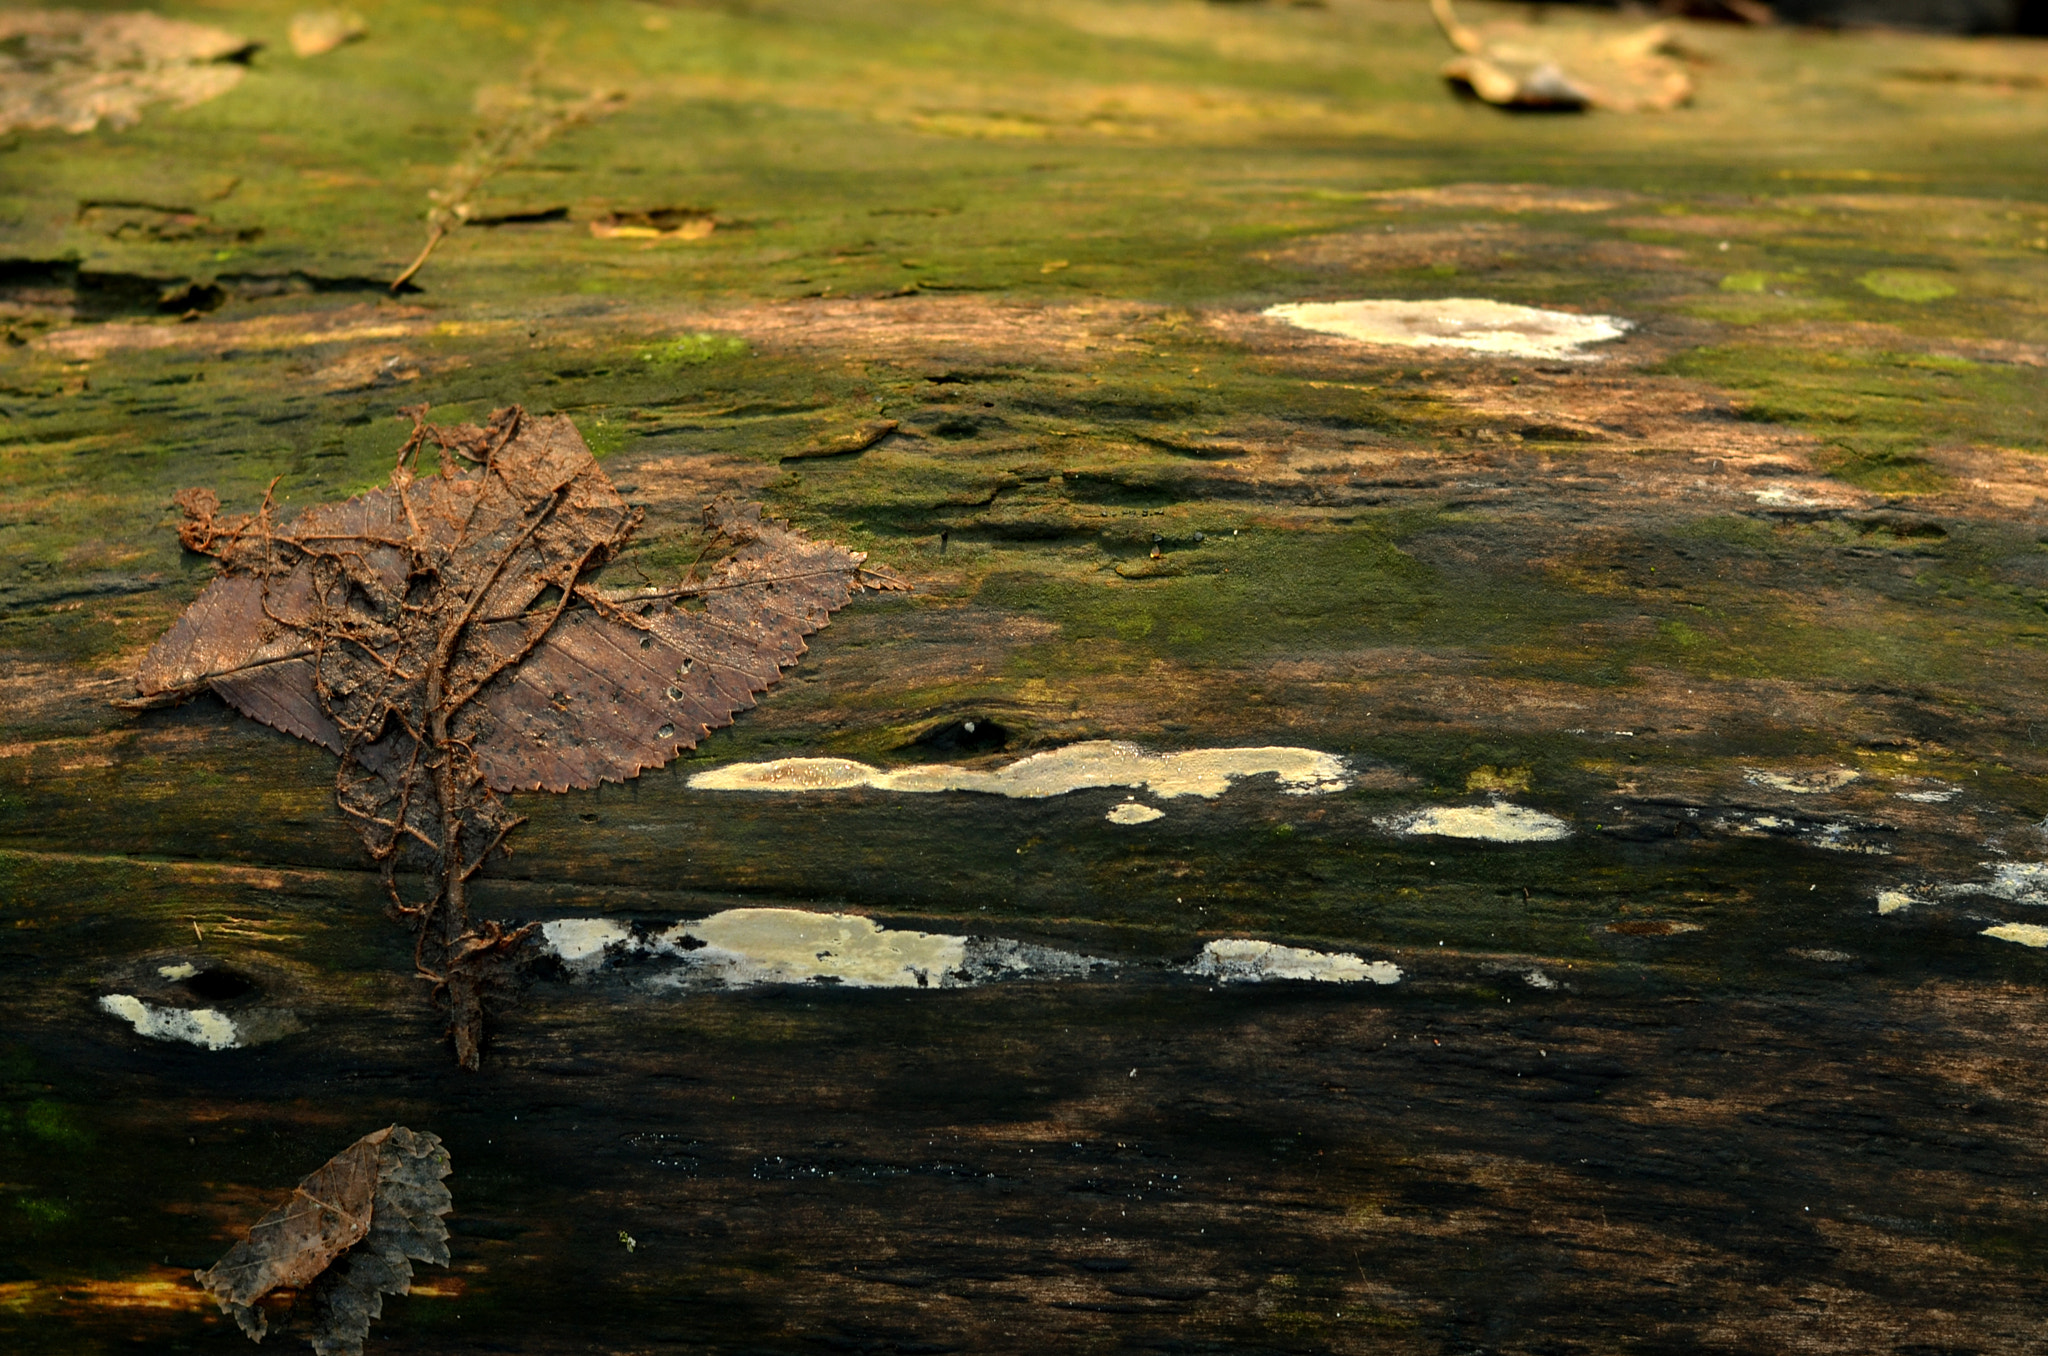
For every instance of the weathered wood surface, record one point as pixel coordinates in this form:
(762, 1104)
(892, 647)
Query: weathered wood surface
(1789, 525)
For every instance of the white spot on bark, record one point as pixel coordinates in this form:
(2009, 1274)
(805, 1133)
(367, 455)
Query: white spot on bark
(1469, 323)
(1130, 812)
(208, 1028)
(1499, 822)
(1241, 960)
(1095, 763)
(182, 970)
(1894, 901)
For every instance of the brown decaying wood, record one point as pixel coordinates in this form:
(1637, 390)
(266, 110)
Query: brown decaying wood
(409, 631)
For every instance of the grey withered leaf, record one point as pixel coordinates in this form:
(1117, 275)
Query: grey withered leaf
(346, 1238)
(446, 635)
(405, 1227)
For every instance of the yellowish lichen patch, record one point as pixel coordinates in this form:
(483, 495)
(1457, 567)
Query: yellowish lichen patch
(207, 1028)
(793, 946)
(1239, 960)
(2026, 934)
(1802, 783)
(1499, 822)
(1095, 763)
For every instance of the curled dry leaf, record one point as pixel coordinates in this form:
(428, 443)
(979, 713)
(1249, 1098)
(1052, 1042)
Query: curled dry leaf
(347, 1237)
(69, 70)
(446, 636)
(1515, 66)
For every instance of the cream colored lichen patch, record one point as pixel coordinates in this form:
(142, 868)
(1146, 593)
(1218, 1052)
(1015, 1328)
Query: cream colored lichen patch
(208, 1028)
(1894, 901)
(2026, 934)
(740, 948)
(583, 941)
(1499, 822)
(1801, 783)
(180, 970)
(1096, 763)
(1242, 960)
(1130, 812)
(794, 946)
(1506, 198)
(1470, 323)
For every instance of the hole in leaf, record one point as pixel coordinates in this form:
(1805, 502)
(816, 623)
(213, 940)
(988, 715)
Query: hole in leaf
(665, 732)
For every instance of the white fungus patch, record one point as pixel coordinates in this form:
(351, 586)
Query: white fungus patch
(1470, 323)
(207, 1028)
(1130, 812)
(1095, 763)
(1940, 797)
(741, 948)
(1801, 783)
(2026, 934)
(182, 970)
(1822, 955)
(1536, 979)
(1895, 901)
(1242, 960)
(1499, 822)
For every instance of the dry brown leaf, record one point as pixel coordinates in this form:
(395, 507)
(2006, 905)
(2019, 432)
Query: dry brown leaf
(446, 637)
(347, 1237)
(70, 70)
(1516, 66)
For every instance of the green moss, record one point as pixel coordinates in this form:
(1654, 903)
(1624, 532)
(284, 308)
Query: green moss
(1907, 284)
(42, 1213)
(54, 1123)
(695, 349)
(1880, 412)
